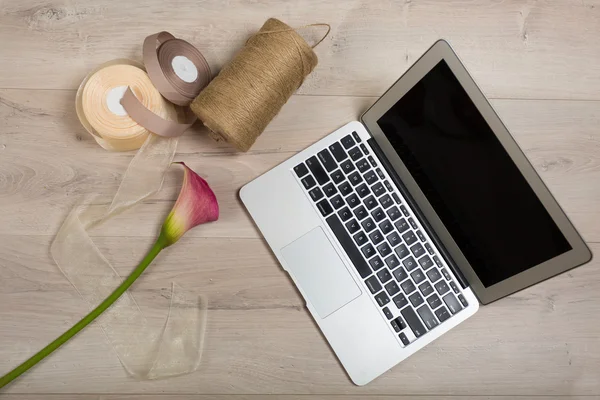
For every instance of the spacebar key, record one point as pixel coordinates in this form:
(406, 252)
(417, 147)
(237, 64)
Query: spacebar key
(411, 318)
(348, 244)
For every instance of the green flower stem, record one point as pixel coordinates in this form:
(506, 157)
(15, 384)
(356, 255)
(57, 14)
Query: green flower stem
(160, 244)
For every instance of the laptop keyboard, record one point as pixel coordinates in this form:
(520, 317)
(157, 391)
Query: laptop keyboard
(396, 260)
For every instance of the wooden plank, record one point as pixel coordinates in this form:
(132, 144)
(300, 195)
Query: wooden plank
(514, 48)
(560, 137)
(260, 339)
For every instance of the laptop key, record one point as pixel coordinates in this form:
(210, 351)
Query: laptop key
(308, 182)
(360, 238)
(417, 250)
(392, 262)
(347, 141)
(384, 249)
(360, 213)
(452, 304)
(437, 262)
(316, 194)
(356, 137)
(355, 178)
(393, 213)
(427, 317)
(412, 223)
(352, 226)
(386, 227)
(392, 288)
(401, 225)
(407, 286)
(376, 236)
(317, 170)
(380, 173)
(376, 263)
(337, 176)
(442, 288)
(433, 275)
(395, 325)
(355, 153)
(434, 301)
(345, 188)
(462, 300)
(368, 250)
(418, 276)
(348, 245)
(409, 237)
(363, 190)
(400, 301)
(324, 207)
(404, 339)
(372, 161)
(416, 299)
(368, 225)
(386, 201)
(352, 200)
(404, 211)
(378, 189)
(413, 321)
(421, 236)
(396, 198)
(426, 288)
(337, 202)
(382, 298)
(454, 287)
(425, 262)
(347, 166)
(409, 264)
(400, 274)
(373, 284)
(300, 170)
(388, 314)
(329, 189)
(401, 251)
(378, 214)
(362, 165)
(384, 275)
(394, 239)
(370, 177)
(429, 248)
(326, 159)
(338, 152)
(345, 214)
(370, 202)
(388, 186)
(446, 274)
(442, 314)
(364, 148)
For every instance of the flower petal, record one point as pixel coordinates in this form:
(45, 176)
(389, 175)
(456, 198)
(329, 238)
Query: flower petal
(195, 205)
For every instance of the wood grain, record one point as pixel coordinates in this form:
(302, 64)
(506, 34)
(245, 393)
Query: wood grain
(537, 59)
(560, 138)
(514, 48)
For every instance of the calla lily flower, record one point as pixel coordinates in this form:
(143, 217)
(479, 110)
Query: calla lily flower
(195, 205)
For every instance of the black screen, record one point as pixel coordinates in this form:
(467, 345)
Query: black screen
(476, 189)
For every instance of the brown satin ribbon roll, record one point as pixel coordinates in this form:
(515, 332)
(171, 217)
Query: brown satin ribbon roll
(159, 66)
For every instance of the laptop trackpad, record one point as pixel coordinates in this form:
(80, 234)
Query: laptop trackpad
(320, 272)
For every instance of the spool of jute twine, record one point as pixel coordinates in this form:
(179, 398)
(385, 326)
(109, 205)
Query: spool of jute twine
(248, 93)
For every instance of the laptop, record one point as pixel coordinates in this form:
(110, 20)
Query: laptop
(396, 228)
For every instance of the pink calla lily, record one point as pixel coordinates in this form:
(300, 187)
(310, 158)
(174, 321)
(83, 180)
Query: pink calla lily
(195, 205)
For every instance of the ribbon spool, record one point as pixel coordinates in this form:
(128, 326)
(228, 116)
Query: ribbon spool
(120, 104)
(240, 102)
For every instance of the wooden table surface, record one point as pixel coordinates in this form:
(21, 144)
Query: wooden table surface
(539, 63)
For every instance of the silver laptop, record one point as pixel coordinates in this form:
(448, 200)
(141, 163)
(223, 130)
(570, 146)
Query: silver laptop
(396, 228)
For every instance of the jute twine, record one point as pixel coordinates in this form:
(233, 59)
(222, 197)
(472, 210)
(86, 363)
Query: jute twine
(249, 91)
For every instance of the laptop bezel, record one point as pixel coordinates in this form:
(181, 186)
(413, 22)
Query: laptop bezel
(579, 254)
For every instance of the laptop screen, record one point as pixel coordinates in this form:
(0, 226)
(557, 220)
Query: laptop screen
(473, 185)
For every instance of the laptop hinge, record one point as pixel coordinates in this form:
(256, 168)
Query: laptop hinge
(411, 202)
